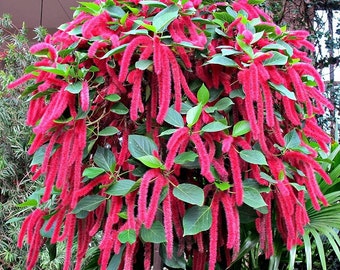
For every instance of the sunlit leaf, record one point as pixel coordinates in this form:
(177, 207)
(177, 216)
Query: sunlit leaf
(189, 193)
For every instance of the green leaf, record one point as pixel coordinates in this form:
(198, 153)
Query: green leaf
(123, 215)
(92, 172)
(298, 187)
(43, 53)
(62, 120)
(140, 146)
(177, 260)
(244, 46)
(241, 128)
(174, 118)
(105, 159)
(156, 4)
(48, 233)
(74, 88)
(88, 203)
(287, 47)
(308, 251)
(77, 31)
(122, 187)
(292, 256)
(283, 90)
(167, 132)
(223, 186)
(203, 95)
(113, 98)
(257, 36)
(231, 12)
(186, 157)
(127, 236)
(137, 32)
(146, 26)
(28, 203)
(115, 11)
(253, 157)
(210, 109)
(214, 127)
(61, 69)
(36, 195)
(237, 93)
(292, 140)
(194, 114)
(319, 245)
(228, 52)
(119, 108)
(256, 2)
(38, 156)
(278, 59)
(253, 198)
(116, 259)
(189, 193)
(222, 60)
(267, 178)
(165, 17)
(30, 89)
(108, 131)
(150, 161)
(197, 219)
(143, 64)
(220, 32)
(188, 45)
(224, 104)
(223, 16)
(91, 8)
(272, 46)
(116, 50)
(155, 234)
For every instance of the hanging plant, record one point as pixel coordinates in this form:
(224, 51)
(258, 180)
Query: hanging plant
(155, 122)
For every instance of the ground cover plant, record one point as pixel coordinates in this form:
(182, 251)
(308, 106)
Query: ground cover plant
(160, 125)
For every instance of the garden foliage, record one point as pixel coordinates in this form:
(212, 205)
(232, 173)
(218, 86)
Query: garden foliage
(155, 122)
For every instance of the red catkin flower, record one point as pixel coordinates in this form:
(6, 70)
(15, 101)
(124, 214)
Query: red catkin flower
(213, 235)
(167, 213)
(237, 177)
(204, 157)
(142, 198)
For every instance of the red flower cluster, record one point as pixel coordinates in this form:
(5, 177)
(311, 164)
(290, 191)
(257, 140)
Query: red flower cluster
(121, 69)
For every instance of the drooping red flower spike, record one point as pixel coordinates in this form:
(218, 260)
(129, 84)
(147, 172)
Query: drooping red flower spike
(153, 120)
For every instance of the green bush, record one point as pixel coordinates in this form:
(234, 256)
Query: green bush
(14, 140)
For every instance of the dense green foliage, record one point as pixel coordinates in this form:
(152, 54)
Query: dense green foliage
(14, 140)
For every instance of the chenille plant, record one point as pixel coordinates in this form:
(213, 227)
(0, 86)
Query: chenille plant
(155, 121)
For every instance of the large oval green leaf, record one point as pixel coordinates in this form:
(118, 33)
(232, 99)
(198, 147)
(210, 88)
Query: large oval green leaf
(174, 118)
(127, 236)
(155, 234)
(88, 203)
(122, 187)
(165, 17)
(197, 219)
(241, 128)
(253, 157)
(194, 114)
(140, 146)
(105, 159)
(189, 193)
